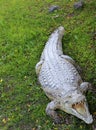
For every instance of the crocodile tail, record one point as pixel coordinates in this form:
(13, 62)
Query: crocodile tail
(54, 41)
(61, 32)
(58, 33)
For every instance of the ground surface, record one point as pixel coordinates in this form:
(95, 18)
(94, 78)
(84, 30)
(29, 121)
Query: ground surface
(24, 29)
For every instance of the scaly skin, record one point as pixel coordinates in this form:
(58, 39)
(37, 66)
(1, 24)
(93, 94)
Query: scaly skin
(59, 77)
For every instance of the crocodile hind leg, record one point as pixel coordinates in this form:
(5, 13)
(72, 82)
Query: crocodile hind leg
(84, 86)
(68, 58)
(50, 110)
(38, 67)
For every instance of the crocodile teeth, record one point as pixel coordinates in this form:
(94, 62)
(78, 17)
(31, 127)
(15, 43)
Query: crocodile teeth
(80, 107)
(81, 102)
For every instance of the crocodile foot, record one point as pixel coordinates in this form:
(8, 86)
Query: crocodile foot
(50, 110)
(58, 120)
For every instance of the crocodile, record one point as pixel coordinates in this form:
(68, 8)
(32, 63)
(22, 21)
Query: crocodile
(60, 79)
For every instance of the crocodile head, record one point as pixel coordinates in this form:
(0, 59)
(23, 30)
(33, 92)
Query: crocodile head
(76, 104)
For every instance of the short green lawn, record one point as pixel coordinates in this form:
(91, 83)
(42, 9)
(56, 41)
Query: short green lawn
(25, 26)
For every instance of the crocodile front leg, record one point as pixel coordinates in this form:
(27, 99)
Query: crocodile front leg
(50, 110)
(68, 58)
(38, 67)
(84, 86)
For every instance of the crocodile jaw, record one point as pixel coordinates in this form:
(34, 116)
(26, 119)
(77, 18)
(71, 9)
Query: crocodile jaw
(81, 111)
(76, 105)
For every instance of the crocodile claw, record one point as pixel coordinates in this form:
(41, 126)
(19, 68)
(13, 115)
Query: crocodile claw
(58, 120)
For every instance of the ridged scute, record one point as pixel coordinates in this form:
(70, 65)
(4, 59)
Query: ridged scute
(57, 72)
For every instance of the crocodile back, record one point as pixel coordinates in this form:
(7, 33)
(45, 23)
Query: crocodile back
(56, 72)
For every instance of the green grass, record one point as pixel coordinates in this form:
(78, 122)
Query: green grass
(24, 29)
